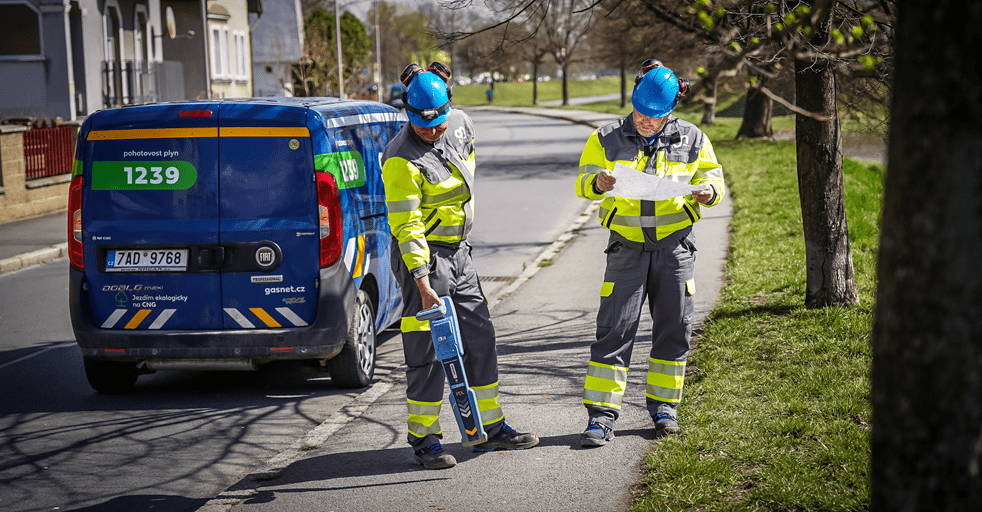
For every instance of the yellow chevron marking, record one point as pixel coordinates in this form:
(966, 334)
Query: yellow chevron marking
(360, 258)
(471, 432)
(137, 318)
(264, 316)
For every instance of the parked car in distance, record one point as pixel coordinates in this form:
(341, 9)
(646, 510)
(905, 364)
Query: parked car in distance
(396, 97)
(227, 234)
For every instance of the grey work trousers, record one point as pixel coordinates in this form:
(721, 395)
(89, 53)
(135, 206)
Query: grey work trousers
(663, 276)
(452, 274)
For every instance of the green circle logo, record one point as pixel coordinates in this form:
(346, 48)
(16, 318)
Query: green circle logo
(294, 144)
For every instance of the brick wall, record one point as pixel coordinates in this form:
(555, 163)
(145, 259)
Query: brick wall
(21, 198)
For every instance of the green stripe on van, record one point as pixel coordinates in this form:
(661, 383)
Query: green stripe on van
(129, 175)
(347, 167)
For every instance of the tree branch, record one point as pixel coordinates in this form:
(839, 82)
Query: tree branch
(790, 106)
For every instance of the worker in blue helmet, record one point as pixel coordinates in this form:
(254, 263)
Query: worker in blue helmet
(651, 250)
(428, 169)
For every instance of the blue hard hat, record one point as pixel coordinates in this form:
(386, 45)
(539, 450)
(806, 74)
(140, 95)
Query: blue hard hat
(657, 92)
(427, 102)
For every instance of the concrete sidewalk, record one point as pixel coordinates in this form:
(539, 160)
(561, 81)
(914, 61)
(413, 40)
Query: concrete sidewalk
(33, 241)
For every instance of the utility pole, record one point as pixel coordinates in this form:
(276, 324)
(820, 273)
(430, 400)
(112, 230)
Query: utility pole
(337, 37)
(378, 56)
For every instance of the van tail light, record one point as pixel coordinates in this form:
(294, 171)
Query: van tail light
(75, 223)
(329, 212)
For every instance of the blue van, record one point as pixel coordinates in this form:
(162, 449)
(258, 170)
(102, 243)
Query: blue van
(230, 233)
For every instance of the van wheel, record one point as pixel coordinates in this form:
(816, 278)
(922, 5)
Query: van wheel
(354, 366)
(110, 377)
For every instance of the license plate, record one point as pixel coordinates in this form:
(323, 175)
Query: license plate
(147, 260)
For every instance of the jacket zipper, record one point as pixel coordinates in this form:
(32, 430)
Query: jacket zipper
(688, 212)
(610, 218)
(431, 228)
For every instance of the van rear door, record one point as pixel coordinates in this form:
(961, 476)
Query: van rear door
(152, 217)
(269, 217)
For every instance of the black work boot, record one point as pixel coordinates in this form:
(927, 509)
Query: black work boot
(507, 439)
(434, 457)
(596, 434)
(664, 424)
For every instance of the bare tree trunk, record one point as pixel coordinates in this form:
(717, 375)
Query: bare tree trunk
(828, 255)
(565, 84)
(535, 82)
(623, 83)
(709, 102)
(757, 113)
(927, 336)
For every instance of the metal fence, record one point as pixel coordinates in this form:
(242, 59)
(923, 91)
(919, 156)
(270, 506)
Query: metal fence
(128, 83)
(139, 83)
(48, 151)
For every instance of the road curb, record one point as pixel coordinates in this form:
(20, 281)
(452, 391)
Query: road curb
(33, 258)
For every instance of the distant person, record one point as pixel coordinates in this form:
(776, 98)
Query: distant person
(650, 253)
(428, 170)
(490, 93)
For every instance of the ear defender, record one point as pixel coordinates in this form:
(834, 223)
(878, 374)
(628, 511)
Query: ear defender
(409, 73)
(683, 89)
(647, 66)
(442, 71)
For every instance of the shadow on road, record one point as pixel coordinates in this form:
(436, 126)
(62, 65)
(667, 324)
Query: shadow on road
(156, 502)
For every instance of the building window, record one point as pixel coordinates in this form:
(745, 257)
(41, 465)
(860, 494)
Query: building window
(240, 57)
(223, 59)
(226, 50)
(21, 35)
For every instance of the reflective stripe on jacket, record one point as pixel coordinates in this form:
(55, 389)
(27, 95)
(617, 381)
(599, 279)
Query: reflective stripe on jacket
(681, 152)
(428, 189)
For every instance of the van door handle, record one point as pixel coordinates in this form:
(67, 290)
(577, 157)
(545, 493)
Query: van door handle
(211, 258)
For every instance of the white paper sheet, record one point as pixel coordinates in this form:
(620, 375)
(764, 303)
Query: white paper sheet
(632, 184)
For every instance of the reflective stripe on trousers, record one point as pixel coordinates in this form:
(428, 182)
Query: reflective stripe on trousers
(424, 418)
(605, 385)
(487, 403)
(665, 379)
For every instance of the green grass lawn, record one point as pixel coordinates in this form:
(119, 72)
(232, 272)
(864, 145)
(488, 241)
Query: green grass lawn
(777, 407)
(514, 94)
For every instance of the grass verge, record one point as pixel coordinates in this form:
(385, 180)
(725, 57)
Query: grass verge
(777, 407)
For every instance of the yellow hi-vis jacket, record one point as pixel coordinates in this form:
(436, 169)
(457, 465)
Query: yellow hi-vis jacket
(681, 153)
(428, 189)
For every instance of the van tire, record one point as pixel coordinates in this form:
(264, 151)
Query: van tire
(354, 366)
(110, 377)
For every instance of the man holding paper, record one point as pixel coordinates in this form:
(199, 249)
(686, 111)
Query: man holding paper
(652, 171)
